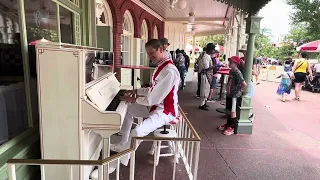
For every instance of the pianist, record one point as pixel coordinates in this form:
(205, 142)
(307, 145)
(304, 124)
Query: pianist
(161, 98)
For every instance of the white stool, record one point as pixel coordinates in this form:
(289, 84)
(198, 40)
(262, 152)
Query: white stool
(156, 147)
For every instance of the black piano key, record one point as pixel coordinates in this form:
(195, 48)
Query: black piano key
(116, 101)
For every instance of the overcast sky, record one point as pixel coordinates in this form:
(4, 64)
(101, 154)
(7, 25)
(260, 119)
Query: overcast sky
(276, 17)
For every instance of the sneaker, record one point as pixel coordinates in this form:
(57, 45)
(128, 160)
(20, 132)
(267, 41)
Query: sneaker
(222, 127)
(228, 131)
(211, 100)
(205, 108)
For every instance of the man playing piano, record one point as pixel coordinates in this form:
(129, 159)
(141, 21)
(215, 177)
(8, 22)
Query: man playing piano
(161, 98)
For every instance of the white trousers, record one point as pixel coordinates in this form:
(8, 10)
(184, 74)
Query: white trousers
(204, 89)
(154, 121)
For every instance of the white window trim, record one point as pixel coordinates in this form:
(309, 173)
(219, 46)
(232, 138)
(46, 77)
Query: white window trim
(144, 37)
(155, 33)
(127, 16)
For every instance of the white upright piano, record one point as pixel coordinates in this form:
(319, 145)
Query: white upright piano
(77, 117)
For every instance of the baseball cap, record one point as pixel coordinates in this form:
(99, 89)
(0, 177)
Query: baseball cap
(235, 59)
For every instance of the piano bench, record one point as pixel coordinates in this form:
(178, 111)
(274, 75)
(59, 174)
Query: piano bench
(156, 147)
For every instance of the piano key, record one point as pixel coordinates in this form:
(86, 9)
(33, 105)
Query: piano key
(116, 101)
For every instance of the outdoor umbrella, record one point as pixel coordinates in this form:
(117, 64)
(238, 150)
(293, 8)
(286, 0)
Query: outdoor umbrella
(37, 41)
(313, 46)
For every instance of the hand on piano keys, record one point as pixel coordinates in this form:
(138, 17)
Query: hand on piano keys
(128, 97)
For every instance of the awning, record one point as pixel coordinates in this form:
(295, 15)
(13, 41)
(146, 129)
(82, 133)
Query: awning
(250, 7)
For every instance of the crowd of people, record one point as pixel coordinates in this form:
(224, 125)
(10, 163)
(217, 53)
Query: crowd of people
(207, 66)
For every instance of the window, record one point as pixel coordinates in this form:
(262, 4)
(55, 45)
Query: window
(66, 25)
(155, 33)
(13, 115)
(41, 21)
(144, 39)
(126, 38)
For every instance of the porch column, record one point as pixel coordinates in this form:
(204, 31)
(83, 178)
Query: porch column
(239, 33)
(244, 124)
(193, 48)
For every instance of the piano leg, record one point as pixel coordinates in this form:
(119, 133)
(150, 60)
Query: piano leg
(105, 154)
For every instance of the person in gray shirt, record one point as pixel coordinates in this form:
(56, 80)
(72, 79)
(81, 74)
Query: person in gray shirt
(180, 63)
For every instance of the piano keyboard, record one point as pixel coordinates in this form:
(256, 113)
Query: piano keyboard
(116, 101)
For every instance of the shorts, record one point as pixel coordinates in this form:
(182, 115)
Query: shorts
(213, 83)
(299, 77)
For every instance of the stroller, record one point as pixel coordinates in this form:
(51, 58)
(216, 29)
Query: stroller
(313, 86)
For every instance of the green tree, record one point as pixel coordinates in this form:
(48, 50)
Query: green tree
(217, 39)
(298, 34)
(264, 46)
(308, 13)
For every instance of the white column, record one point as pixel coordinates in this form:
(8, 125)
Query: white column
(193, 48)
(136, 61)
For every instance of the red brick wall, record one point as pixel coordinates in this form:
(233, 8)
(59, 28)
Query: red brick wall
(118, 8)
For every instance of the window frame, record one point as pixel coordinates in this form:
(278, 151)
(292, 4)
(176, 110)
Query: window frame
(127, 20)
(144, 39)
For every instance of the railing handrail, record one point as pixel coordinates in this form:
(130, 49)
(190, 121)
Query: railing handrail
(111, 158)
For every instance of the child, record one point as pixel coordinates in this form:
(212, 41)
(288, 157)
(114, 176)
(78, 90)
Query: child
(285, 84)
(235, 87)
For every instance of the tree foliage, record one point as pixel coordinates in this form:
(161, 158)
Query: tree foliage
(307, 14)
(216, 39)
(298, 35)
(263, 45)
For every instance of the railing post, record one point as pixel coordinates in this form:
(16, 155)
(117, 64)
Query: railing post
(12, 171)
(132, 164)
(196, 163)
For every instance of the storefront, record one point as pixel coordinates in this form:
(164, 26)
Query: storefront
(23, 23)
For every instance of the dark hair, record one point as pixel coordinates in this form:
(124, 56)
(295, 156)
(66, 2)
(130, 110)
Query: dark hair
(205, 49)
(304, 55)
(210, 48)
(178, 51)
(154, 43)
(182, 51)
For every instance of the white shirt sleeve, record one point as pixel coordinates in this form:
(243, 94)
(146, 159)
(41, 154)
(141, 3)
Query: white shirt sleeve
(157, 93)
(143, 91)
(205, 63)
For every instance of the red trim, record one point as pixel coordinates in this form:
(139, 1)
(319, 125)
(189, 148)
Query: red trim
(168, 103)
(159, 69)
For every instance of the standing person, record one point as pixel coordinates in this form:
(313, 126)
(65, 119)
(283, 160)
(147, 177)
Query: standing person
(180, 63)
(235, 87)
(205, 69)
(300, 69)
(196, 69)
(187, 64)
(258, 66)
(285, 84)
(161, 97)
(165, 44)
(216, 65)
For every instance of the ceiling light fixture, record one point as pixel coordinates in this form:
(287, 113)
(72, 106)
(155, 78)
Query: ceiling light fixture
(191, 18)
(180, 3)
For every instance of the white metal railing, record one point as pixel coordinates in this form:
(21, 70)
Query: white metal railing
(187, 147)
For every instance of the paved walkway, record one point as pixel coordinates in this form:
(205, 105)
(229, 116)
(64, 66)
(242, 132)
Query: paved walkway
(284, 144)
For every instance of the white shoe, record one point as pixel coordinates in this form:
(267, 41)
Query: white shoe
(116, 147)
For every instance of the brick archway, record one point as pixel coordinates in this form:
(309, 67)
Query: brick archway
(146, 16)
(127, 5)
